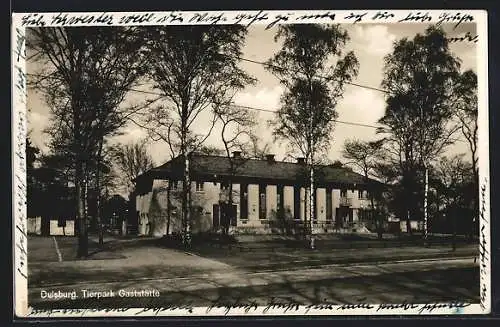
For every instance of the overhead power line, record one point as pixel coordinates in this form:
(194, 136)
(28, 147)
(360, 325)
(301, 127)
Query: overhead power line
(281, 68)
(274, 112)
(265, 110)
(338, 121)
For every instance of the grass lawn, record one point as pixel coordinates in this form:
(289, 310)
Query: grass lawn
(281, 257)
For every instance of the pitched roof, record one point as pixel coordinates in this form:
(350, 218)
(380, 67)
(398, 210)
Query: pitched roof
(213, 167)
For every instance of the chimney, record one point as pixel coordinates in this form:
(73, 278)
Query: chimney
(301, 160)
(270, 157)
(236, 154)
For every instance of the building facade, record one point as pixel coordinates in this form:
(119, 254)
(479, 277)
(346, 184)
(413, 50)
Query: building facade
(267, 196)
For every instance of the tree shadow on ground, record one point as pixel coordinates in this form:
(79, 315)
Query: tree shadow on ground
(413, 287)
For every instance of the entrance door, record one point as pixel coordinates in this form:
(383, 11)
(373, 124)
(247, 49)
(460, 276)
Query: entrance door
(234, 211)
(345, 216)
(216, 217)
(227, 214)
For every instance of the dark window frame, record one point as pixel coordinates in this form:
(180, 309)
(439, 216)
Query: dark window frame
(262, 202)
(343, 192)
(244, 201)
(296, 202)
(329, 205)
(61, 222)
(200, 186)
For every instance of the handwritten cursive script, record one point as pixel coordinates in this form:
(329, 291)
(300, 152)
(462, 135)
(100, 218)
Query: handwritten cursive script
(430, 307)
(467, 37)
(269, 18)
(400, 306)
(356, 17)
(234, 304)
(20, 155)
(276, 304)
(457, 18)
(188, 307)
(417, 17)
(483, 246)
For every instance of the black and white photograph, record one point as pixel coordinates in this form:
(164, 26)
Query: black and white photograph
(251, 163)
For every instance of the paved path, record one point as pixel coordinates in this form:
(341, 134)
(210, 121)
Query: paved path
(233, 279)
(140, 264)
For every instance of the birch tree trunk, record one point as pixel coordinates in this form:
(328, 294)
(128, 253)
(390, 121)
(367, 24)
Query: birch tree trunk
(98, 195)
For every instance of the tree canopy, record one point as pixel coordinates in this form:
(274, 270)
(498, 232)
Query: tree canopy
(313, 84)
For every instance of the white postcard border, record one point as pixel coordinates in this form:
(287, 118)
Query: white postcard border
(22, 20)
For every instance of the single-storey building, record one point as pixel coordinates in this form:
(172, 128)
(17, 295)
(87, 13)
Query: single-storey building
(266, 194)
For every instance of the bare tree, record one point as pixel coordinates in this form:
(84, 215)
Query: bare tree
(86, 73)
(465, 95)
(312, 88)
(193, 67)
(454, 176)
(131, 160)
(258, 148)
(210, 150)
(236, 134)
(365, 156)
(362, 155)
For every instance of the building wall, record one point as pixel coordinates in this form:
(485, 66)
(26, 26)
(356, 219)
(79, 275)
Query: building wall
(321, 204)
(152, 207)
(271, 201)
(68, 230)
(236, 198)
(303, 210)
(253, 205)
(35, 225)
(288, 199)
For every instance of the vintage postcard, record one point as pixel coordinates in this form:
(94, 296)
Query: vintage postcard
(250, 163)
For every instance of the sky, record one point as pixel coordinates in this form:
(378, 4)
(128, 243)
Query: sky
(370, 43)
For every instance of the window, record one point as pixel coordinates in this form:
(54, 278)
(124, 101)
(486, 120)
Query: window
(199, 186)
(365, 214)
(343, 193)
(244, 201)
(296, 202)
(262, 202)
(174, 185)
(329, 205)
(280, 198)
(315, 206)
(61, 222)
(360, 194)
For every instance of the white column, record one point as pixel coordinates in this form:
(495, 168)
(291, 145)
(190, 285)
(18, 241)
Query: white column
(271, 194)
(253, 202)
(321, 204)
(288, 199)
(236, 199)
(335, 204)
